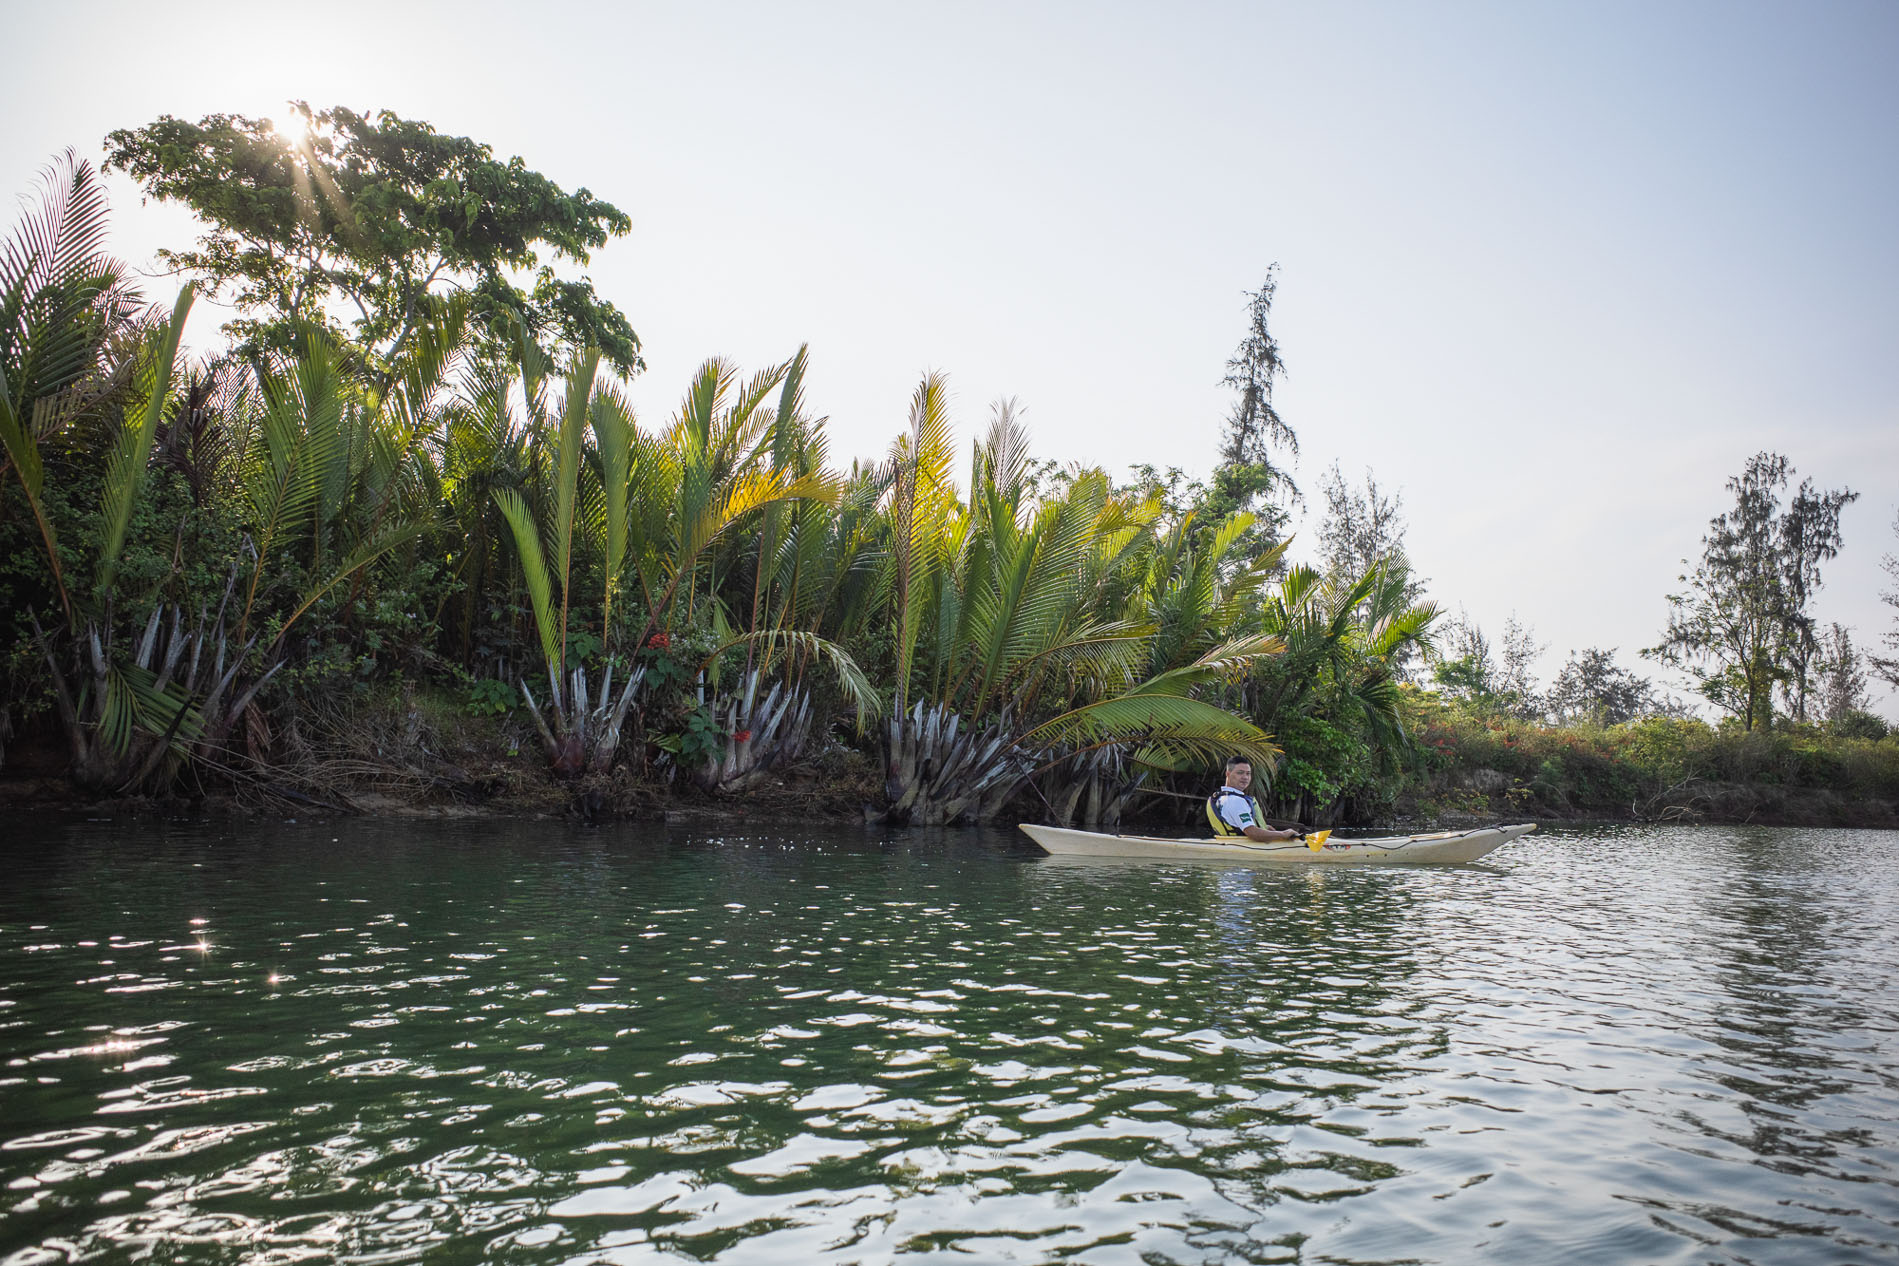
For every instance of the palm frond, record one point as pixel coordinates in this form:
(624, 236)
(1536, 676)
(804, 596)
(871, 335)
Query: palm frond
(1223, 662)
(857, 687)
(917, 515)
(24, 456)
(527, 542)
(573, 429)
(136, 699)
(613, 430)
(1145, 718)
(298, 437)
(125, 472)
(61, 297)
(389, 537)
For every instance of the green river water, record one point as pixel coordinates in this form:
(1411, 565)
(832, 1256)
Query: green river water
(450, 1042)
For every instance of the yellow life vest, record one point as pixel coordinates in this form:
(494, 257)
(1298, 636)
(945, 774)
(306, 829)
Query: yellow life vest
(1220, 825)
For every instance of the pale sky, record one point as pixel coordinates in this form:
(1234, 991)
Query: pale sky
(1552, 271)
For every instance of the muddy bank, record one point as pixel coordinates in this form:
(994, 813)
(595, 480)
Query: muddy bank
(851, 793)
(412, 760)
(465, 781)
(1479, 801)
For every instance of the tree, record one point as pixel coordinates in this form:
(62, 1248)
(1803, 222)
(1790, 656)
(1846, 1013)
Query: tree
(1516, 677)
(1888, 669)
(1024, 635)
(1809, 535)
(1742, 627)
(380, 216)
(1591, 687)
(1362, 527)
(1247, 478)
(652, 510)
(1465, 669)
(1362, 530)
(1842, 686)
(67, 334)
(1498, 679)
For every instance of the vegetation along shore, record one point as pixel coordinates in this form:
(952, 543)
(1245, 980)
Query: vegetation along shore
(401, 543)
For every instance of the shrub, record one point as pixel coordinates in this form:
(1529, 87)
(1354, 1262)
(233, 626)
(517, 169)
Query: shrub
(1859, 725)
(489, 697)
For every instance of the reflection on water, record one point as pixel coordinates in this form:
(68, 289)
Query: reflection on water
(518, 1042)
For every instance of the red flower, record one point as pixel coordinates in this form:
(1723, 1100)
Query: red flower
(660, 641)
(742, 736)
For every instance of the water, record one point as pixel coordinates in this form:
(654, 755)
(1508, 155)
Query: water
(524, 1042)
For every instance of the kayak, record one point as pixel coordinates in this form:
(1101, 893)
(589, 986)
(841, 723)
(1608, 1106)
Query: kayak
(1442, 847)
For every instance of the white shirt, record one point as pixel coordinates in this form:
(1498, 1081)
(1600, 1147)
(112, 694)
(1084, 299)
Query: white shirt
(1235, 808)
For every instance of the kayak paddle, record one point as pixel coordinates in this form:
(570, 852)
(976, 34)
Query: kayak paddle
(1316, 840)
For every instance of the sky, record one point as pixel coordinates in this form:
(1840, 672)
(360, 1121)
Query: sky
(1553, 272)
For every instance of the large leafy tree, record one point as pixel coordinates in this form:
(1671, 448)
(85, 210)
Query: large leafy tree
(1744, 626)
(379, 218)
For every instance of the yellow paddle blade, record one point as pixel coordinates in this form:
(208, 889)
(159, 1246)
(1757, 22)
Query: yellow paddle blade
(1316, 840)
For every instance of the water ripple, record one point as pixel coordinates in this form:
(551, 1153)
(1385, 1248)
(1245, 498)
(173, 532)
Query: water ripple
(521, 1043)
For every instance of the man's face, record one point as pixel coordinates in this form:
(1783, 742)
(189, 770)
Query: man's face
(1239, 776)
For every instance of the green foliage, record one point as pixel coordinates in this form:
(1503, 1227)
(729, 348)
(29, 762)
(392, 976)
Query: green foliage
(1742, 626)
(66, 311)
(383, 215)
(1887, 667)
(1591, 687)
(698, 742)
(1668, 748)
(488, 697)
(583, 644)
(1463, 677)
(1323, 762)
(1247, 478)
(1856, 724)
(349, 515)
(1609, 770)
(665, 671)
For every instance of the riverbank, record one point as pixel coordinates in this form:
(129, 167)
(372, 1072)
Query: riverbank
(411, 754)
(1658, 769)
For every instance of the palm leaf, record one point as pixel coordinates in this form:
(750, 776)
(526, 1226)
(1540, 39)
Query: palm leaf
(857, 687)
(387, 538)
(573, 429)
(136, 699)
(298, 435)
(125, 471)
(917, 518)
(1223, 662)
(1147, 718)
(61, 297)
(24, 456)
(613, 430)
(527, 542)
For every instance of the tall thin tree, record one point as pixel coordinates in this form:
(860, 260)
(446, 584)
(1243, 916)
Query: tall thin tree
(1248, 477)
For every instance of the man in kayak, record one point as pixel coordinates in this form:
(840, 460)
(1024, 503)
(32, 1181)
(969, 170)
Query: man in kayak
(1234, 813)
